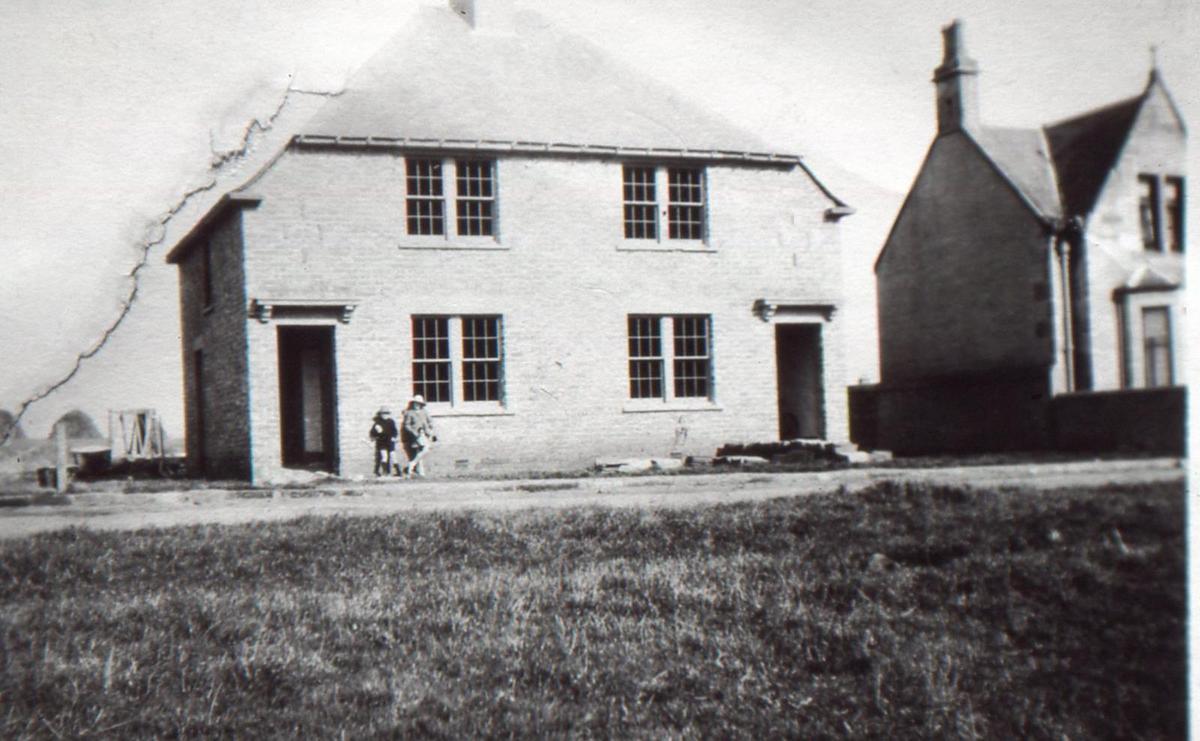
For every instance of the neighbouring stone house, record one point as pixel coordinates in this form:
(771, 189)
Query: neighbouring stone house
(1026, 267)
(565, 258)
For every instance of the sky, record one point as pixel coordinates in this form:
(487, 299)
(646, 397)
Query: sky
(110, 112)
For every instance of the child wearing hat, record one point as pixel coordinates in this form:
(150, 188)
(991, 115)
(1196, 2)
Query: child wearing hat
(416, 434)
(383, 434)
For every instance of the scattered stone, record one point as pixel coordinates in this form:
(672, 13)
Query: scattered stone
(740, 460)
(880, 563)
(635, 465)
(293, 477)
(624, 465)
(1119, 542)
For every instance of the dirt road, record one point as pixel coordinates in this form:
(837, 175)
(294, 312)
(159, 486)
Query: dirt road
(119, 511)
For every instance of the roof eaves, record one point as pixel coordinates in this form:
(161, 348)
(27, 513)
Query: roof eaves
(233, 199)
(840, 208)
(562, 148)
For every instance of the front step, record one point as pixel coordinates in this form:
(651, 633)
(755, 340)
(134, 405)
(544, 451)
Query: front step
(852, 454)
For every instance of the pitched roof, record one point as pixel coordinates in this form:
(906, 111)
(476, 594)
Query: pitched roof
(1023, 156)
(439, 79)
(1086, 147)
(1061, 168)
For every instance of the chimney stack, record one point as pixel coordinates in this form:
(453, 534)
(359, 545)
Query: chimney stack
(485, 15)
(956, 81)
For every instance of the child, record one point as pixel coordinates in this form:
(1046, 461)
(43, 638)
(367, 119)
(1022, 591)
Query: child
(417, 435)
(383, 434)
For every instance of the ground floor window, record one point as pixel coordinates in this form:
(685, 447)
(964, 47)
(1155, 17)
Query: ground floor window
(679, 369)
(458, 358)
(1156, 345)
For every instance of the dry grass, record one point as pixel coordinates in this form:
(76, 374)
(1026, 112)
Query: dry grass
(904, 612)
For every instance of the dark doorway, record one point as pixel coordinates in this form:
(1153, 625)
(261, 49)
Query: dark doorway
(307, 398)
(798, 373)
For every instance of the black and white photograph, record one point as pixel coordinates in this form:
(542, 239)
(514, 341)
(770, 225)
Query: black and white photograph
(596, 368)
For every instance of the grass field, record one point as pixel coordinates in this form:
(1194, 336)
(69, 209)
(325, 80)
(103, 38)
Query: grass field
(900, 612)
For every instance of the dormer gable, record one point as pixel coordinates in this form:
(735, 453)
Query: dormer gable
(1087, 147)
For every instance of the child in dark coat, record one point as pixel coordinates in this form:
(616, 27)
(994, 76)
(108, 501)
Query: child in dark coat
(383, 434)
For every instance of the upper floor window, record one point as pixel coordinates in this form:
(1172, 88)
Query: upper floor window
(683, 213)
(425, 205)
(679, 369)
(641, 204)
(1161, 212)
(475, 196)
(1174, 213)
(458, 358)
(685, 194)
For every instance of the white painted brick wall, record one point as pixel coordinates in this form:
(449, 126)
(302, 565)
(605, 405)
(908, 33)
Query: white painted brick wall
(331, 225)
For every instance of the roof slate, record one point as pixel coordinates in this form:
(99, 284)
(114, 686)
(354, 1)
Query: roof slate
(1086, 147)
(1061, 168)
(439, 79)
(1023, 156)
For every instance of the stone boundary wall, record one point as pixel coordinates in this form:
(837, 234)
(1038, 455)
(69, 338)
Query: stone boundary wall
(1015, 414)
(1130, 420)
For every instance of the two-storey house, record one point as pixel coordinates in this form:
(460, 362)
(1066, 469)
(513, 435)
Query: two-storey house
(563, 257)
(1028, 264)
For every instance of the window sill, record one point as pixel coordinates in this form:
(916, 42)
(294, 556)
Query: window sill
(438, 411)
(666, 245)
(644, 406)
(423, 242)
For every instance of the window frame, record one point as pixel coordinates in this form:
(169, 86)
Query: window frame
(1149, 347)
(1175, 214)
(492, 335)
(456, 361)
(454, 203)
(481, 200)
(667, 329)
(413, 196)
(647, 188)
(1162, 212)
(676, 204)
(681, 358)
(647, 364)
(666, 208)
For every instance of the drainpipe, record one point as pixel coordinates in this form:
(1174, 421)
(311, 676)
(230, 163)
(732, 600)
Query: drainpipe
(1066, 232)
